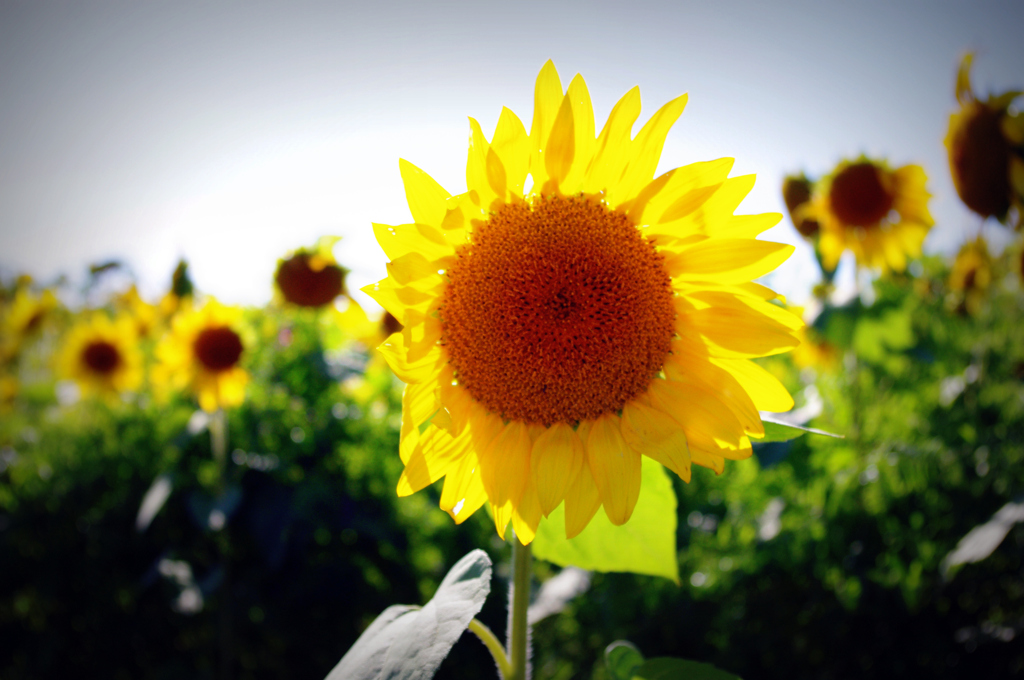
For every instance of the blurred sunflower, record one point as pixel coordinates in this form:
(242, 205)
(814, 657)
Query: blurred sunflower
(814, 350)
(881, 215)
(102, 356)
(971, 275)
(555, 333)
(203, 354)
(311, 278)
(181, 291)
(797, 191)
(144, 316)
(23, 317)
(9, 388)
(985, 142)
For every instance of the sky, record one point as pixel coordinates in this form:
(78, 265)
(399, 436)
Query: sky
(229, 133)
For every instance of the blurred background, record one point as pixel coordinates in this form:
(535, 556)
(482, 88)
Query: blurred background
(230, 512)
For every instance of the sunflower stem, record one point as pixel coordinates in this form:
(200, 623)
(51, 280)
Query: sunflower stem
(519, 632)
(219, 440)
(493, 645)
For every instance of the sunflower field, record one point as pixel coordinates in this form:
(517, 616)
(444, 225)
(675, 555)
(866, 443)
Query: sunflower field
(573, 358)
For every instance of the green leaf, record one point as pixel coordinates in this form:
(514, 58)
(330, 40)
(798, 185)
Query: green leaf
(409, 643)
(667, 668)
(774, 431)
(623, 660)
(646, 544)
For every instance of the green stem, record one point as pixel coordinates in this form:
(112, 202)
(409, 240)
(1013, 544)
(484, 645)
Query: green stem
(219, 438)
(519, 642)
(493, 645)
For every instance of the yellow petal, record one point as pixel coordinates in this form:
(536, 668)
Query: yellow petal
(728, 261)
(547, 95)
(655, 434)
(615, 466)
(735, 333)
(583, 125)
(526, 516)
(414, 267)
(557, 454)
(582, 500)
(746, 303)
(505, 464)
(512, 146)
(435, 453)
(463, 492)
(401, 239)
(612, 153)
(394, 352)
(397, 299)
(421, 333)
(684, 367)
(425, 196)
(648, 146)
(561, 145)
(418, 404)
(477, 180)
(708, 423)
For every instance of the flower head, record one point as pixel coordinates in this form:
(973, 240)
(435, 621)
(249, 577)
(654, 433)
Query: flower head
(102, 356)
(203, 353)
(797, 191)
(555, 332)
(985, 142)
(311, 278)
(881, 215)
(971, 275)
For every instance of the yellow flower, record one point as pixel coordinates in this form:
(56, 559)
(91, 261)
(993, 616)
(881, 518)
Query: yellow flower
(971, 275)
(985, 142)
(145, 316)
(311, 278)
(202, 353)
(881, 215)
(102, 356)
(554, 334)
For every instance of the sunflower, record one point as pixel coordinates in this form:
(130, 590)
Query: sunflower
(311, 278)
(556, 331)
(102, 356)
(202, 353)
(23, 317)
(985, 142)
(881, 215)
(971, 276)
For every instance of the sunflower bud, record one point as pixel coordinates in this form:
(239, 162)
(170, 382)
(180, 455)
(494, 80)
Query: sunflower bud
(796, 192)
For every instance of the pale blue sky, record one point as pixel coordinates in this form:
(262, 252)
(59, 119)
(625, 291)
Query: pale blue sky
(231, 132)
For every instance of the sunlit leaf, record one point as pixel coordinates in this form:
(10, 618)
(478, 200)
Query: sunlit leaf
(409, 643)
(623, 660)
(646, 544)
(775, 431)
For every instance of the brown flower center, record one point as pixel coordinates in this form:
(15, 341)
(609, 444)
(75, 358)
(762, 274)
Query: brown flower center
(979, 156)
(860, 196)
(101, 357)
(218, 349)
(557, 312)
(305, 286)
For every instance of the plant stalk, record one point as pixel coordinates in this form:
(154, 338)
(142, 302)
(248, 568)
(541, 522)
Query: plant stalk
(493, 645)
(519, 634)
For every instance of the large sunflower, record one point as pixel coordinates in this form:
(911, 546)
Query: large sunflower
(102, 356)
(880, 215)
(203, 354)
(556, 331)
